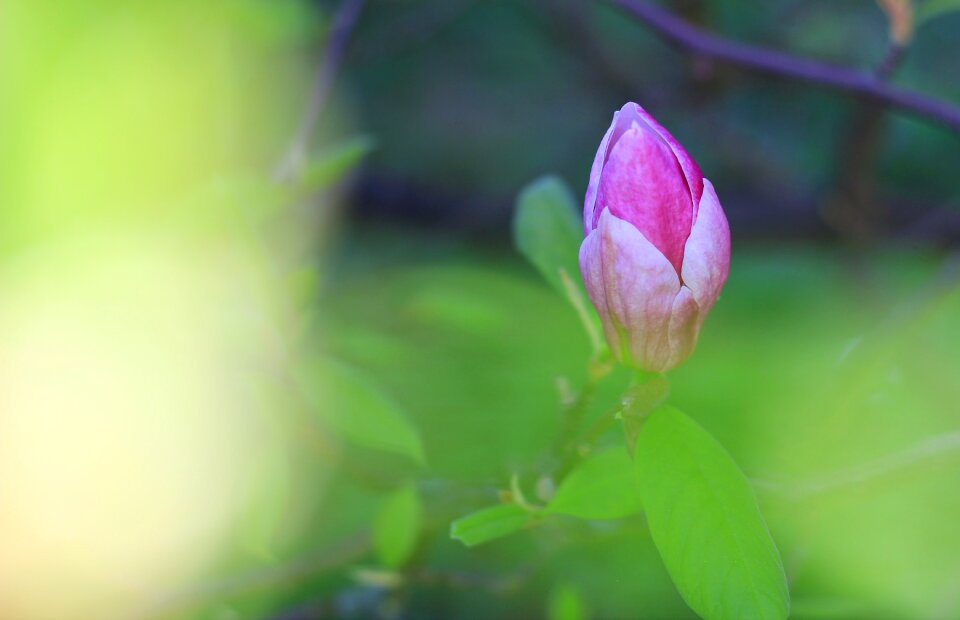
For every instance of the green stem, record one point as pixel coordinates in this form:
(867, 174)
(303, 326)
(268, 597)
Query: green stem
(580, 448)
(645, 393)
(574, 409)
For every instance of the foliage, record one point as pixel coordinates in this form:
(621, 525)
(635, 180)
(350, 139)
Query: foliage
(706, 523)
(699, 506)
(396, 526)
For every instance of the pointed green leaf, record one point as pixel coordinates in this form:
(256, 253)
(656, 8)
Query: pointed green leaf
(328, 166)
(489, 524)
(358, 411)
(547, 230)
(565, 603)
(396, 526)
(601, 487)
(706, 524)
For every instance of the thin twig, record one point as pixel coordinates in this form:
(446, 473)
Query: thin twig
(891, 61)
(343, 23)
(774, 63)
(922, 453)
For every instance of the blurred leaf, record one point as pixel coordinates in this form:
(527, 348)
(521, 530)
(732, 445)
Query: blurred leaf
(489, 524)
(705, 522)
(329, 165)
(932, 9)
(602, 487)
(262, 530)
(547, 230)
(277, 21)
(359, 412)
(566, 604)
(396, 527)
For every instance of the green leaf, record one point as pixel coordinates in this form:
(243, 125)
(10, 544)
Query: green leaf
(396, 527)
(358, 411)
(331, 164)
(262, 528)
(706, 524)
(489, 524)
(547, 230)
(932, 9)
(566, 604)
(601, 487)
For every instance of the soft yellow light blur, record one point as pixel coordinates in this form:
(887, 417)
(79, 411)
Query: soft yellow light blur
(126, 434)
(142, 324)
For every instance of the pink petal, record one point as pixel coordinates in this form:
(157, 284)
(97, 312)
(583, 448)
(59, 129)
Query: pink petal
(642, 183)
(633, 286)
(691, 171)
(589, 202)
(706, 259)
(685, 321)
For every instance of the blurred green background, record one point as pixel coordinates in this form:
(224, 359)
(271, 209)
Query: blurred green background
(381, 336)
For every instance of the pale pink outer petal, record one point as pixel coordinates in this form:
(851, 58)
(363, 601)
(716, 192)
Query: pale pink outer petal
(706, 258)
(599, 160)
(643, 184)
(691, 170)
(633, 287)
(685, 322)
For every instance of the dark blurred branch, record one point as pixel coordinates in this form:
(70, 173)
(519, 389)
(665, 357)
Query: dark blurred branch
(343, 23)
(853, 209)
(765, 61)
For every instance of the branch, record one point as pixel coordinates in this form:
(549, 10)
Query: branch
(922, 453)
(683, 35)
(343, 23)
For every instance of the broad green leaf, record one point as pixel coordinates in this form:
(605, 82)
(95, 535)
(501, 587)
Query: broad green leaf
(328, 166)
(396, 526)
(566, 604)
(932, 9)
(358, 411)
(706, 524)
(547, 230)
(489, 524)
(601, 487)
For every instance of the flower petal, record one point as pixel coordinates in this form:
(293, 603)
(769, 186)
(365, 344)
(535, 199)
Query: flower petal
(685, 321)
(691, 170)
(706, 258)
(589, 202)
(642, 183)
(633, 287)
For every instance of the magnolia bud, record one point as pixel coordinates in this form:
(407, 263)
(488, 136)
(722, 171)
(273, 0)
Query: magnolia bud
(657, 247)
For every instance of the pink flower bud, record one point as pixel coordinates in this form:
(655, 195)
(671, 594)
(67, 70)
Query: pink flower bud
(657, 247)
